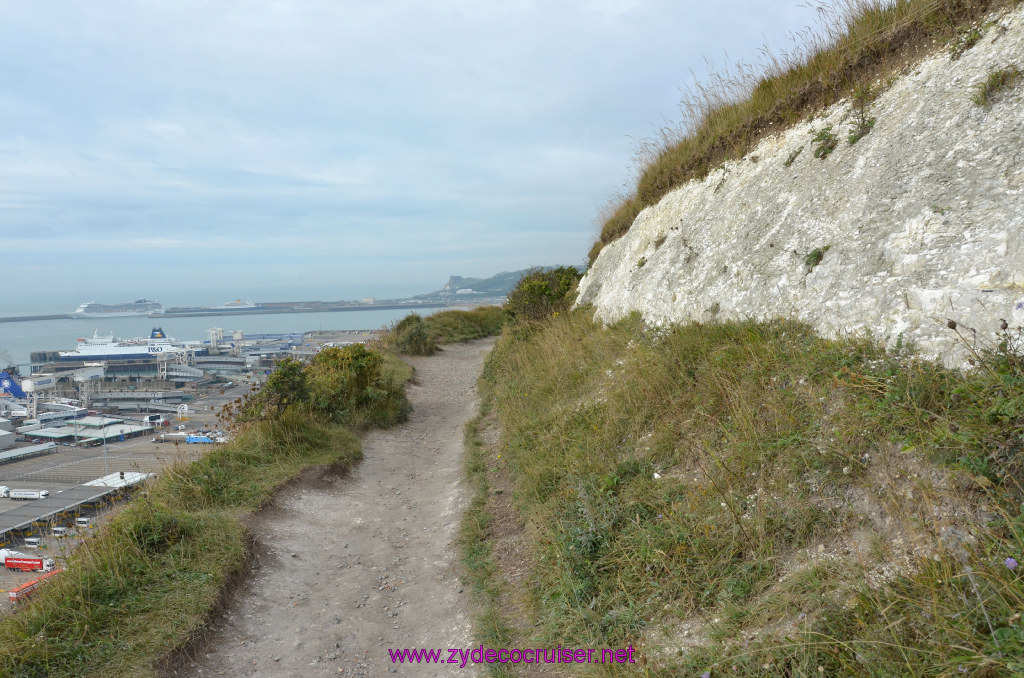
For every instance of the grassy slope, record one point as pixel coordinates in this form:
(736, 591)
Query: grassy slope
(415, 335)
(147, 583)
(820, 503)
(862, 41)
(446, 327)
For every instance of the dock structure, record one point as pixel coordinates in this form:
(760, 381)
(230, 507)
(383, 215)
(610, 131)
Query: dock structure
(69, 502)
(91, 431)
(19, 453)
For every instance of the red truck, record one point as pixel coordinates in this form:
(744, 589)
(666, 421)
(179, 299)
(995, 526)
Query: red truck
(13, 560)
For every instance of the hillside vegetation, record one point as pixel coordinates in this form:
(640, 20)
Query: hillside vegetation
(416, 335)
(147, 583)
(861, 44)
(748, 499)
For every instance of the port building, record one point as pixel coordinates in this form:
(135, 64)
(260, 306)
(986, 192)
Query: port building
(93, 430)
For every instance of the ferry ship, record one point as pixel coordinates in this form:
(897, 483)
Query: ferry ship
(156, 347)
(91, 309)
(237, 305)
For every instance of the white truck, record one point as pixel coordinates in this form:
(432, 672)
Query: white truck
(29, 494)
(5, 491)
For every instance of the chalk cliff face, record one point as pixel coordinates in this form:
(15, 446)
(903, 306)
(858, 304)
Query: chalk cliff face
(919, 222)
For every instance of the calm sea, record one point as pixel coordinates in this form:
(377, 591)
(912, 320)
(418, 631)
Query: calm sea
(18, 340)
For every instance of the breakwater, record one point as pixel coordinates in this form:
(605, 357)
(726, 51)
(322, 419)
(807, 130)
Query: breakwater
(297, 308)
(263, 309)
(28, 318)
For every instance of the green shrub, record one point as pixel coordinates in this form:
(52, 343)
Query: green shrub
(409, 336)
(346, 385)
(285, 386)
(542, 294)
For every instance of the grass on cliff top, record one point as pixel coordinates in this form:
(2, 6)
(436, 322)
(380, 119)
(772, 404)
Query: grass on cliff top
(723, 118)
(416, 335)
(449, 327)
(146, 584)
(749, 499)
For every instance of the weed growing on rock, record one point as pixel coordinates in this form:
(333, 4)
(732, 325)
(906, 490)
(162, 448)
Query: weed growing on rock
(965, 39)
(814, 257)
(792, 157)
(860, 131)
(824, 143)
(987, 93)
(725, 175)
(863, 96)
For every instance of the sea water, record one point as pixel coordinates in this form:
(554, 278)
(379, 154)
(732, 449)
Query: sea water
(19, 339)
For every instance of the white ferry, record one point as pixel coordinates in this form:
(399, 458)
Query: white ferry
(91, 309)
(96, 347)
(237, 305)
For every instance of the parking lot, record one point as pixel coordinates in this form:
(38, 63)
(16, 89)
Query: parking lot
(70, 467)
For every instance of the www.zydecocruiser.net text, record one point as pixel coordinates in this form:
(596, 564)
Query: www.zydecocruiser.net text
(480, 655)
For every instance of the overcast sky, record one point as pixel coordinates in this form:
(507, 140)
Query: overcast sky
(332, 149)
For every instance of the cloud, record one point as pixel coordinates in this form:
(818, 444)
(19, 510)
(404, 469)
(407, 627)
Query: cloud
(281, 135)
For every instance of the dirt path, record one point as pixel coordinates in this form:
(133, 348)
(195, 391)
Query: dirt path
(349, 568)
